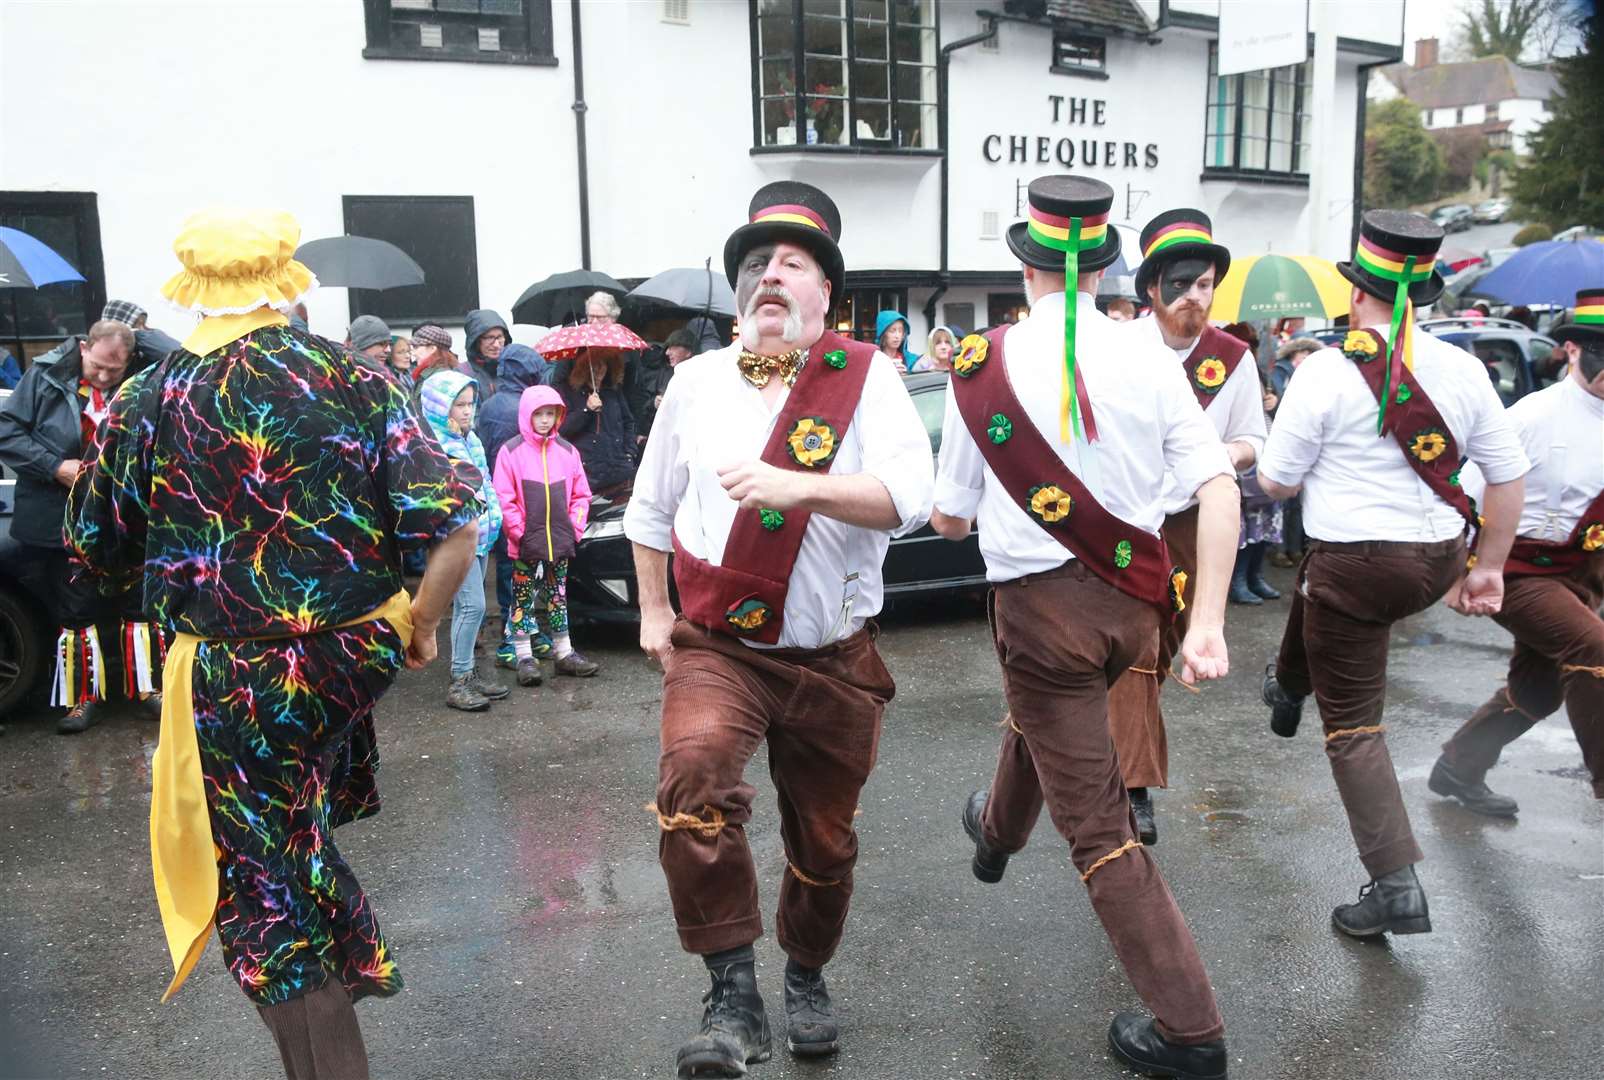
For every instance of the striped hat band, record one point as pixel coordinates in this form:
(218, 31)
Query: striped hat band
(1388, 264)
(1053, 231)
(793, 213)
(1590, 307)
(1178, 232)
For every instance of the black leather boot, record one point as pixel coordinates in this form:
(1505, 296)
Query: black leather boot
(810, 1027)
(1392, 902)
(1285, 710)
(80, 718)
(1255, 576)
(735, 1027)
(1136, 1041)
(1475, 796)
(988, 864)
(1142, 809)
(1240, 593)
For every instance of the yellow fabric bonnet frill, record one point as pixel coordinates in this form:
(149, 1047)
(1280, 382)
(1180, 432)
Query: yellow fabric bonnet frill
(239, 272)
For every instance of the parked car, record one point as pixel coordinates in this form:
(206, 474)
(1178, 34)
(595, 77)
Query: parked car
(1517, 359)
(601, 581)
(1455, 217)
(1491, 212)
(25, 647)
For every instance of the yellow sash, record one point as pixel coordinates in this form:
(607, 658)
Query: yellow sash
(183, 855)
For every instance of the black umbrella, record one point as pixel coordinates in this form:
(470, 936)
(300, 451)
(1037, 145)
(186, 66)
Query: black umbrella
(561, 297)
(693, 289)
(359, 262)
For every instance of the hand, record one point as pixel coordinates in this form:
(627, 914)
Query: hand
(657, 402)
(423, 648)
(1203, 655)
(1480, 592)
(68, 471)
(655, 627)
(1270, 401)
(640, 440)
(758, 485)
(594, 402)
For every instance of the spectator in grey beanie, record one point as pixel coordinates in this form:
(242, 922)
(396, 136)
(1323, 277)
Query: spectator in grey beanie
(369, 336)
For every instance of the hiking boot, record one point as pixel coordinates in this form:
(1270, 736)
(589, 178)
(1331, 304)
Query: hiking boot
(1394, 902)
(80, 718)
(540, 645)
(506, 656)
(463, 696)
(1475, 796)
(529, 672)
(735, 1027)
(810, 1028)
(1136, 1041)
(1285, 710)
(491, 691)
(576, 665)
(1262, 589)
(988, 864)
(1142, 809)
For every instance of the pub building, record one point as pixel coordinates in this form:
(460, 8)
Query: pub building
(466, 132)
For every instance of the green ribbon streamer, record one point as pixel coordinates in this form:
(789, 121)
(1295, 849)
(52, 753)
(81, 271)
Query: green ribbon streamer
(1071, 302)
(1399, 302)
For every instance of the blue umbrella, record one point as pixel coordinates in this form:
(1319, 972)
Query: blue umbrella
(25, 263)
(1550, 272)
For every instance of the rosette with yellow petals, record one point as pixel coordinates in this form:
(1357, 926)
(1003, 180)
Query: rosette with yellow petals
(971, 354)
(1593, 537)
(1210, 374)
(812, 442)
(749, 615)
(1428, 445)
(1050, 503)
(1358, 345)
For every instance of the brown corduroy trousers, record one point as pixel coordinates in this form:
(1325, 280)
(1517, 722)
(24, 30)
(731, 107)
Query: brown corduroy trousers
(318, 1036)
(1056, 748)
(1559, 659)
(820, 711)
(1335, 647)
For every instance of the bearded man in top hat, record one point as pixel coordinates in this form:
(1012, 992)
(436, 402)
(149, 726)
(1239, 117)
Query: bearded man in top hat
(1181, 265)
(776, 473)
(1553, 579)
(1372, 433)
(1059, 435)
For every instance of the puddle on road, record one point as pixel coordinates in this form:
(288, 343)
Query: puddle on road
(1425, 637)
(1224, 802)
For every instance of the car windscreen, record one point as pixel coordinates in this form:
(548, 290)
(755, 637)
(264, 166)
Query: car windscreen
(931, 401)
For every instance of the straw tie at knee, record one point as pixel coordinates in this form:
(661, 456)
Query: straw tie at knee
(1370, 729)
(706, 829)
(1514, 708)
(818, 883)
(1008, 720)
(1128, 845)
(1154, 672)
(1596, 672)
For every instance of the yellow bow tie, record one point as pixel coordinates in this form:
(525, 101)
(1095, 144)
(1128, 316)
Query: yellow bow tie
(758, 370)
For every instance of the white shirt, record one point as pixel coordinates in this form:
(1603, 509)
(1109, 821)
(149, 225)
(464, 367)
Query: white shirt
(712, 418)
(1561, 428)
(1357, 485)
(1236, 411)
(1148, 423)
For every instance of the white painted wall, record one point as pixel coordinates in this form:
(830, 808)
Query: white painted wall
(1525, 115)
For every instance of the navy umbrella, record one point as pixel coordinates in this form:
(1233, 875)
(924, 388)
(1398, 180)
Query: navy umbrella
(26, 263)
(1550, 272)
(561, 297)
(359, 262)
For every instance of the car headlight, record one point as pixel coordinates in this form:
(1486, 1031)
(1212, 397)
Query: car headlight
(604, 530)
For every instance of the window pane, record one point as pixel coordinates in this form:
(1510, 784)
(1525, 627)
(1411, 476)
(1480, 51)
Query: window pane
(916, 12)
(872, 122)
(916, 83)
(464, 7)
(824, 37)
(776, 36)
(779, 128)
(777, 77)
(835, 9)
(876, 10)
(916, 44)
(916, 126)
(871, 81)
(871, 39)
(438, 232)
(1280, 156)
(502, 7)
(827, 121)
(826, 78)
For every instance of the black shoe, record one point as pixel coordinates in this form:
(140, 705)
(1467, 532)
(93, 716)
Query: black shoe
(1285, 710)
(1135, 1040)
(1241, 594)
(79, 719)
(988, 865)
(1478, 796)
(1142, 807)
(1394, 902)
(1263, 589)
(150, 707)
(810, 1028)
(735, 1027)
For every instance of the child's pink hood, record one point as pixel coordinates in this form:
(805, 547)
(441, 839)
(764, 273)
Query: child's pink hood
(539, 397)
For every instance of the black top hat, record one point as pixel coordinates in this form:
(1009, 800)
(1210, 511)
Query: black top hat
(1387, 239)
(1586, 325)
(1059, 205)
(1178, 234)
(797, 213)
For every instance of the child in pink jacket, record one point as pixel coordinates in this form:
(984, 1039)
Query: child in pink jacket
(545, 503)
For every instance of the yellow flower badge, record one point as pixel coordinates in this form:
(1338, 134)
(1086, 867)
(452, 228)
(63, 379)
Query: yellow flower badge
(748, 615)
(1359, 346)
(1428, 445)
(1178, 589)
(1593, 537)
(1050, 503)
(1210, 374)
(812, 442)
(971, 354)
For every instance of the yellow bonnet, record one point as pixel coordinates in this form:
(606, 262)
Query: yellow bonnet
(236, 261)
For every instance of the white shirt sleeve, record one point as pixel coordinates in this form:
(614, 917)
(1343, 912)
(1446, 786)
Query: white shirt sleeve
(1298, 432)
(1493, 443)
(896, 448)
(1193, 452)
(1245, 421)
(960, 471)
(663, 476)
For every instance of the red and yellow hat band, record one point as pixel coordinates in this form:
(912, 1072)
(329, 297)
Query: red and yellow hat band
(1390, 264)
(1590, 308)
(793, 213)
(1178, 232)
(1052, 231)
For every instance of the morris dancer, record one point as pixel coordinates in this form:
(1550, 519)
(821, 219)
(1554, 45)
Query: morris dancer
(1373, 434)
(1062, 451)
(776, 473)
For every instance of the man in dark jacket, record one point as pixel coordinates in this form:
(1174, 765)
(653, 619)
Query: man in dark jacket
(46, 428)
(486, 335)
(518, 368)
(652, 372)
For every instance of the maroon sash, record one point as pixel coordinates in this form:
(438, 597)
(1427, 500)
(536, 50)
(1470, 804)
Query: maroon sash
(1129, 558)
(1413, 420)
(1212, 361)
(745, 597)
(1531, 557)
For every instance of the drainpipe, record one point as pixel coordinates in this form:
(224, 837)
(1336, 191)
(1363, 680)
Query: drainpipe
(579, 126)
(1364, 71)
(943, 277)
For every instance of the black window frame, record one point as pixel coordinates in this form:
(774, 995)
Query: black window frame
(863, 329)
(85, 205)
(360, 302)
(854, 144)
(385, 43)
(1236, 170)
(1073, 38)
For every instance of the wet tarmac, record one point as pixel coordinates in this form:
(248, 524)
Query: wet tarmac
(514, 871)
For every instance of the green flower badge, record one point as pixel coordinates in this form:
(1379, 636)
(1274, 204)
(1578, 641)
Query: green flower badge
(1001, 429)
(770, 519)
(836, 358)
(1122, 554)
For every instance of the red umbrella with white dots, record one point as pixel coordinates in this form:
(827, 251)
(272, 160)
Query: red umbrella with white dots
(567, 341)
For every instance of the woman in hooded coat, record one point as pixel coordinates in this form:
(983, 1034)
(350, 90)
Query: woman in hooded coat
(891, 333)
(599, 422)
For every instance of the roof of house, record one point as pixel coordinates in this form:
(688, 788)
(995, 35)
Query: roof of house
(1486, 80)
(1124, 15)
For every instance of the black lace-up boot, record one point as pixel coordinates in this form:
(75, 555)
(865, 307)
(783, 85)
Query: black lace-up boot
(1392, 902)
(735, 1027)
(810, 1027)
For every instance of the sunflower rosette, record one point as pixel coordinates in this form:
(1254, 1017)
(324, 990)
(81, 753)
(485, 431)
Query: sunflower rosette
(1360, 346)
(812, 442)
(748, 615)
(971, 354)
(1428, 445)
(1210, 374)
(1050, 503)
(1178, 589)
(1593, 537)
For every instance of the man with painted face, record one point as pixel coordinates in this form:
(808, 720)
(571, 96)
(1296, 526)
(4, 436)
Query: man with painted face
(1372, 433)
(776, 473)
(1553, 580)
(1181, 265)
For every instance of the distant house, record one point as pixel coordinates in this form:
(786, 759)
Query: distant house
(1506, 101)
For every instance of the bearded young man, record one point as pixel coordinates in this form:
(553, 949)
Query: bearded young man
(776, 473)
(1181, 265)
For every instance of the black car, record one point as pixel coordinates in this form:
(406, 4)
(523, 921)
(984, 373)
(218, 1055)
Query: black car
(601, 581)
